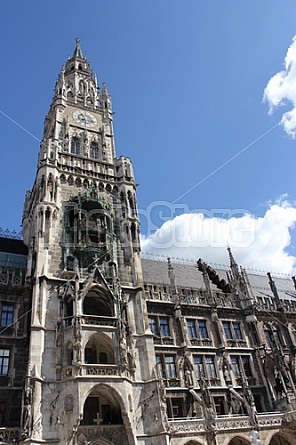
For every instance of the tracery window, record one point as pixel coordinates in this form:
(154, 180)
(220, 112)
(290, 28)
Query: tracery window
(75, 146)
(94, 151)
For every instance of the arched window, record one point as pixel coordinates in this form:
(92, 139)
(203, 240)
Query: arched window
(94, 306)
(94, 151)
(78, 182)
(100, 408)
(99, 350)
(69, 354)
(82, 87)
(68, 306)
(70, 180)
(75, 146)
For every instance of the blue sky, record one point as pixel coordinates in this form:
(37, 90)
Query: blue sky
(187, 80)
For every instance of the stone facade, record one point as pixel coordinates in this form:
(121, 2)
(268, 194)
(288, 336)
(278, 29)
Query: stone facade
(125, 350)
(15, 309)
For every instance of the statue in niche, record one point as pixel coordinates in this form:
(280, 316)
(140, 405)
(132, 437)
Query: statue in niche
(78, 349)
(187, 370)
(78, 328)
(26, 412)
(123, 349)
(209, 412)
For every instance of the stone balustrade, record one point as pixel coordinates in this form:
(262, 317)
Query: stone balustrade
(227, 423)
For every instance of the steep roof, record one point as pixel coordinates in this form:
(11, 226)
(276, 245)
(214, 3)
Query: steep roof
(188, 276)
(16, 246)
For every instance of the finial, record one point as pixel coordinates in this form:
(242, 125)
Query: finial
(231, 258)
(77, 51)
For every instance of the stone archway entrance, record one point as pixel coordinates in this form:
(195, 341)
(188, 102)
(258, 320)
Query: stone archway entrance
(102, 422)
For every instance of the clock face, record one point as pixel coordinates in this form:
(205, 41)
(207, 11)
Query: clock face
(84, 118)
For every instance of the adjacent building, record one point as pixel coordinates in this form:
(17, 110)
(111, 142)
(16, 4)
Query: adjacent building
(100, 346)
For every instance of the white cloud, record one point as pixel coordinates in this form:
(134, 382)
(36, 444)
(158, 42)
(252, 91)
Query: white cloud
(281, 90)
(257, 242)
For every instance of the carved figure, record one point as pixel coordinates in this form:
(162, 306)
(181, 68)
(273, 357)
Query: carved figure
(26, 416)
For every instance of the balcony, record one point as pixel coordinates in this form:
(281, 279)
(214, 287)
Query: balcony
(93, 320)
(96, 320)
(231, 422)
(92, 370)
(111, 433)
(11, 435)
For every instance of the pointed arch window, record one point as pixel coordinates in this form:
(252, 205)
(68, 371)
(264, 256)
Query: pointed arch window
(75, 146)
(82, 87)
(94, 151)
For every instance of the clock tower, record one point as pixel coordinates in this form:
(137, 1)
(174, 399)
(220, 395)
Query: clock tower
(89, 333)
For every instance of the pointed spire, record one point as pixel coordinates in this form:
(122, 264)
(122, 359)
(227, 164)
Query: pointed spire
(233, 266)
(77, 51)
(172, 278)
(275, 293)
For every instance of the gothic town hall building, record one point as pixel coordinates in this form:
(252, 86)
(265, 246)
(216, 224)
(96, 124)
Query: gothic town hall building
(101, 346)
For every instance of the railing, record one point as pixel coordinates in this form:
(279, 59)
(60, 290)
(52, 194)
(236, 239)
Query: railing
(99, 370)
(91, 370)
(10, 435)
(96, 320)
(114, 433)
(163, 340)
(93, 320)
(231, 422)
(12, 234)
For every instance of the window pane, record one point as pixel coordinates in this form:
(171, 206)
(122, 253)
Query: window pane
(268, 337)
(227, 330)
(170, 367)
(198, 366)
(276, 337)
(94, 151)
(191, 329)
(75, 146)
(203, 329)
(153, 325)
(211, 371)
(235, 366)
(159, 366)
(247, 367)
(237, 331)
(164, 327)
(4, 361)
(7, 315)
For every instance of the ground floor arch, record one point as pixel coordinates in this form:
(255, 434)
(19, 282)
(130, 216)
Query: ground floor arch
(238, 441)
(278, 439)
(104, 420)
